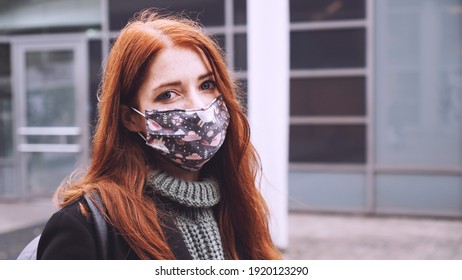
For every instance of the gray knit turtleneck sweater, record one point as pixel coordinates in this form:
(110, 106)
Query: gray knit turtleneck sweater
(191, 208)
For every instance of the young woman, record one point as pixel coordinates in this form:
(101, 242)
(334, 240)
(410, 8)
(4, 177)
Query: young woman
(171, 163)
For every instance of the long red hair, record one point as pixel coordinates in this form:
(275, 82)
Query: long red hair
(120, 162)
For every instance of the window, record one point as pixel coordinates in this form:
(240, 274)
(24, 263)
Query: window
(326, 10)
(328, 143)
(328, 104)
(94, 64)
(208, 12)
(382, 139)
(6, 117)
(320, 49)
(418, 84)
(336, 96)
(328, 82)
(227, 26)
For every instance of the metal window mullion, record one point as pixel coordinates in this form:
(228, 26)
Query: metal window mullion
(328, 73)
(105, 32)
(82, 97)
(460, 123)
(215, 30)
(370, 112)
(326, 25)
(327, 167)
(432, 170)
(320, 209)
(417, 213)
(94, 35)
(19, 112)
(66, 131)
(113, 35)
(240, 75)
(49, 148)
(229, 35)
(236, 29)
(44, 41)
(337, 120)
(242, 28)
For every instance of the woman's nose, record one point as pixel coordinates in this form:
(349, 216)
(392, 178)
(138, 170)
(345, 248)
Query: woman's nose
(198, 101)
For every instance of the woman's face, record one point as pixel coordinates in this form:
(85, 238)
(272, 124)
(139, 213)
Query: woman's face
(178, 78)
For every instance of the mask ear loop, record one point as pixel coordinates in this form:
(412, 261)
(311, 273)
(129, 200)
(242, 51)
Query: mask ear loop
(139, 133)
(138, 111)
(98, 93)
(144, 138)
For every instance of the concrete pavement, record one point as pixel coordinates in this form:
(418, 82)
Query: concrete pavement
(346, 237)
(14, 216)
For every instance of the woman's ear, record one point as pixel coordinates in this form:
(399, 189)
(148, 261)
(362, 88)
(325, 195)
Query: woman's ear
(131, 120)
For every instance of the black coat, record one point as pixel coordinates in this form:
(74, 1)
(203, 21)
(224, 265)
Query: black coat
(68, 235)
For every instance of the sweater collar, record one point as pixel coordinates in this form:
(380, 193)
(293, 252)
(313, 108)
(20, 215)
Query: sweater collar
(199, 194)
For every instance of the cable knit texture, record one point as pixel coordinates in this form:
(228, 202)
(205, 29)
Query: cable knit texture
(190, 204)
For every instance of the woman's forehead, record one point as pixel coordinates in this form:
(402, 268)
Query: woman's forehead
(177, 62)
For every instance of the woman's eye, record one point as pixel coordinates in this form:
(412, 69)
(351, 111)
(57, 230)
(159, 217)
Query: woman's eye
(207, 85)
(165, 96)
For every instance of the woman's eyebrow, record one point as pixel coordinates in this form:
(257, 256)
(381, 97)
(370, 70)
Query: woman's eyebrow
(178, 83)
(168, 84)
(206, 75)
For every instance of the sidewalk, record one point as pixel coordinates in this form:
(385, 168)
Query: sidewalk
(311, 236)
(20, 223)
(343, 237)
(14, 216)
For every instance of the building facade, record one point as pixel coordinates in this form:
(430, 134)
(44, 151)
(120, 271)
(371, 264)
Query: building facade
(374, 118)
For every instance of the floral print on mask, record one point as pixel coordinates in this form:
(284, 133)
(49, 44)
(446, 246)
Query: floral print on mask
(188, 138)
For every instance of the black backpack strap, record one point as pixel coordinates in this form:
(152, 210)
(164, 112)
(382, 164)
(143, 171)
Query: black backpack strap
(30, 251)
(100, 225)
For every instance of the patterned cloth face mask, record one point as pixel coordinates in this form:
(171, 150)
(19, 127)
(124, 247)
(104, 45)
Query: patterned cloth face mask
(187, 137)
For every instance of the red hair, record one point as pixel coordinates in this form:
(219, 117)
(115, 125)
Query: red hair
(120, 161)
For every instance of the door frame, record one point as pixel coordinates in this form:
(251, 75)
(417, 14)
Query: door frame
(20, 45)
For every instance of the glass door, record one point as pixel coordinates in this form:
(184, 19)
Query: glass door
(51, 111)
